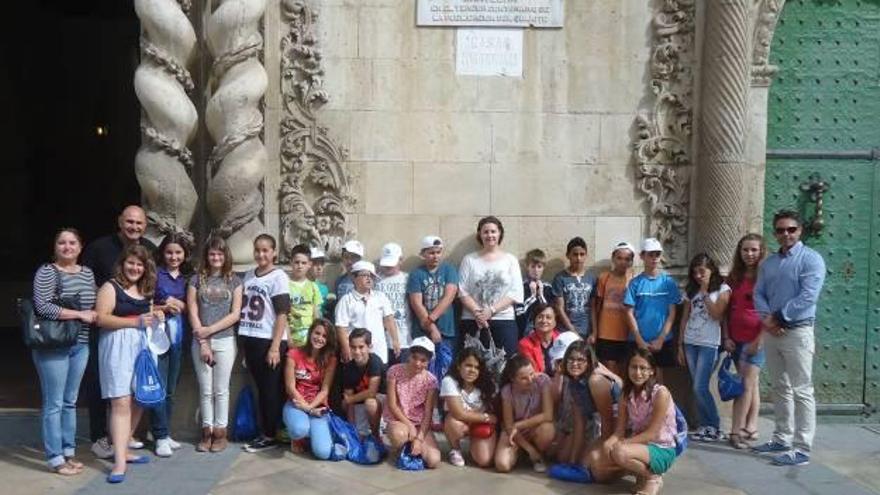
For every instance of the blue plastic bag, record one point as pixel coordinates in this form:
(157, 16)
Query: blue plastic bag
(244, 423)
(681, 432)
(408, 462)
(346, 443)
(146, 384)
(174, 325)
(372, 452)
(730, 385)
(442, 360)
(575, 473)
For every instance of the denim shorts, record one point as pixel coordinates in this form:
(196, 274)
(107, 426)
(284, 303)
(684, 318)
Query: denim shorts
(758, 359)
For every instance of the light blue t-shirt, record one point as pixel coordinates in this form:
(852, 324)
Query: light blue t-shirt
(576, 293)
(344, 285)
(651, 298)
(432, 286)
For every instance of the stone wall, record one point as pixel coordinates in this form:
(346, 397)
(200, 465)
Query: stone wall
(430, 152)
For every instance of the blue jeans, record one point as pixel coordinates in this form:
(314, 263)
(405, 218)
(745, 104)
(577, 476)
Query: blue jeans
(60, 371)
(300, 425)
(169, 375)
(701, 364)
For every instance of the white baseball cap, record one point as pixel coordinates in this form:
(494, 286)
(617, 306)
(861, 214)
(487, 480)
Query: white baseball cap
(364, 266)
(354, 247)
(651, 244)
(560, 345)
(430, 241)
(391, 254)
(317, 253)
(423, 342)
(623, 245)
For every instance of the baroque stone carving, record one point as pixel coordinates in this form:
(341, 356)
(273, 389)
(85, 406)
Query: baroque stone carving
(724, 120)
(663, 144)
(169, 117)
(316, 197)
(765, 14)
(236, 167)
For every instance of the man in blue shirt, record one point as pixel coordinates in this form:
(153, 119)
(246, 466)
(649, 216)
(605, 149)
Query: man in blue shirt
(786, 292)
(651, 299)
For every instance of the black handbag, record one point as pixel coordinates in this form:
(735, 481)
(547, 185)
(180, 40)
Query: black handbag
(44, 333)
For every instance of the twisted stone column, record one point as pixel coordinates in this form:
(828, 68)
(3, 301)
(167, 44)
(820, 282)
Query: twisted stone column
(169, 118)
(237, 165)
(724, 111)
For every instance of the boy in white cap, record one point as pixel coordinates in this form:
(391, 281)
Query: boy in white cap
(316, 275)
(392, 282)
(364, 307)
(352, 252)
(651, 299)
(432, 288)
(609, 312)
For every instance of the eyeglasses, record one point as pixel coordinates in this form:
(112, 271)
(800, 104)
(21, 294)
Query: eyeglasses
(783, 230)
(362, 274)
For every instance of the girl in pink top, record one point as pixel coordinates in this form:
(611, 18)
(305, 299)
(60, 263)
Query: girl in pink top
(742, 338)
(308, 377)
(647, 415)
(412, 395)
(526, 413)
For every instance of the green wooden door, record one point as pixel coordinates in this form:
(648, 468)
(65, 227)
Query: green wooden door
(824, 120)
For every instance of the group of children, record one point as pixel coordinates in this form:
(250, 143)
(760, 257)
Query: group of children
(582, 389)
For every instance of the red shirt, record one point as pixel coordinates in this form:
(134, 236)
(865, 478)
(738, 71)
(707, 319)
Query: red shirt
(530, 347)
(744, 323)
(309, 376)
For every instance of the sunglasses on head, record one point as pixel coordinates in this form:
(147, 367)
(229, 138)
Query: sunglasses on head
(782, 230)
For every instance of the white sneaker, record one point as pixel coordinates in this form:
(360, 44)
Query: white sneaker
(455, 458)
(135, 444)
(163, 448)
(175, 445)
(102, 448)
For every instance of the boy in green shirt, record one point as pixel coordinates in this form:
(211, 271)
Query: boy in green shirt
(305, 296)
(316, 275)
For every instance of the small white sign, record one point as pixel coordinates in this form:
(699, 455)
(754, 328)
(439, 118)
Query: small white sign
(486, 13)
(489, 52)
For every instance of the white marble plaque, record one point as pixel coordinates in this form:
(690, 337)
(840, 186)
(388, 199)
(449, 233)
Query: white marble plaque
(491, 13)
(489, 52)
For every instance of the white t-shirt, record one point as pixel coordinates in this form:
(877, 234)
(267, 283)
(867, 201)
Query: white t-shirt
(257, 308)
(487, 282)
(701, 328)
(356, 310)
(472, 401)
(394, 288)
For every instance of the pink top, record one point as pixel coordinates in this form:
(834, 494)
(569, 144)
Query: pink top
(412, 392)
(638, 411)
(526, 404)
(745, 322)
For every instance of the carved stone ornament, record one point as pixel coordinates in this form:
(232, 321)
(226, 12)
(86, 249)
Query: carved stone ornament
(765, 14)
(168, 119)
(663, 144)
(316, 196)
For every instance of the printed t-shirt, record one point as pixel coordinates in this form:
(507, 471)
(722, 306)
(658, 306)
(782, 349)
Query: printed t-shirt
(356, 310)
(214, 299)
(701, 329)
(344, 285)
(432, 286)
(488, 282)
(472, 401)
(576, 292)
(305, 296)
(651, 297)
(357, 378)
(412, 392)
(744, 322)
(263, 297)
(394, 288)
(611, 290)
(526, 404)
(309, 376)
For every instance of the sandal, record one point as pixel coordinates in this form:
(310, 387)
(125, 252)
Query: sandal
(72, 462)
(66, 470)
(749, 435)
(737, 442)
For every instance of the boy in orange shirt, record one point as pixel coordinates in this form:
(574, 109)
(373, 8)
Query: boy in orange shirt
(609, 313)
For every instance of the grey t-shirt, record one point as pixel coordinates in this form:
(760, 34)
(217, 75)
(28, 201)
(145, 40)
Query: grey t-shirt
(215, 300)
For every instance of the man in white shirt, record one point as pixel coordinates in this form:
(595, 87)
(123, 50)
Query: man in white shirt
(365, 308)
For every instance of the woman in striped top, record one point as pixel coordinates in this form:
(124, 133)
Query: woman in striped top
(61, 369)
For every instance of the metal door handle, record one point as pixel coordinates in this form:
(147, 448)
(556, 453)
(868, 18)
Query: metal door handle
(816, 187)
